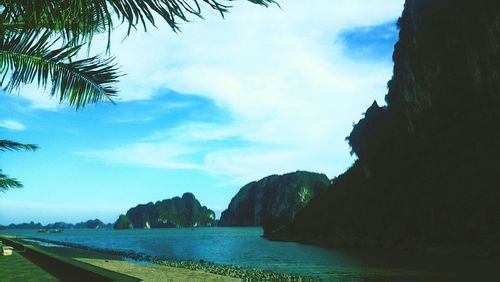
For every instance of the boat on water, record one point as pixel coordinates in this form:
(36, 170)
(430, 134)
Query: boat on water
(47, 230)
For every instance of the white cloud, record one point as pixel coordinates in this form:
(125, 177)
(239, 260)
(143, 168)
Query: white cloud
(39, 98)
(240, 158)
(138, 119)
(157, 155)
(282, 74)
(12, 125)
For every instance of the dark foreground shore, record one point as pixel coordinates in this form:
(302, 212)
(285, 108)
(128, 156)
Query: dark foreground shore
(238, 272)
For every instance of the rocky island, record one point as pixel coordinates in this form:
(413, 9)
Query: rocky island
(273, 200)
(89, 224)
(185, 211)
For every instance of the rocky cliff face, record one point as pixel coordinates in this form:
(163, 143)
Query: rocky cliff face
(175, 212)
(429, 162)
(274, 200)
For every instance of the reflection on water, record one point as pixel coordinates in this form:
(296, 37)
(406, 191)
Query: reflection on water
(43, 244)
(246, 247)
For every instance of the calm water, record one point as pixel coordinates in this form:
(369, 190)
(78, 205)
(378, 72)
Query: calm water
(246, 247)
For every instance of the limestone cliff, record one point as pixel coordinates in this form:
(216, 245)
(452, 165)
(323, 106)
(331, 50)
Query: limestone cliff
(428, 172)
(175, 212)
(273, 200)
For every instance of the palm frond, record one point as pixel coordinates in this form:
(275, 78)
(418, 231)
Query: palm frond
(7, 183)
(28, 29)
(78, 21)
(7, 145)
(136, 12)
(142, 12)
(28, 56)
(75, 21)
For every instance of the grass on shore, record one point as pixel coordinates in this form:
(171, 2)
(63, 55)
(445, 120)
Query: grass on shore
(17, 268)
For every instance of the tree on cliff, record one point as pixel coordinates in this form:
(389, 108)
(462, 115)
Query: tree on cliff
(40, 41)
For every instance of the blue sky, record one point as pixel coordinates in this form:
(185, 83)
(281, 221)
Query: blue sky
(223, 103)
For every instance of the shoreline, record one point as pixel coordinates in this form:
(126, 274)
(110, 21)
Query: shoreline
(340, 244)
(233, 271)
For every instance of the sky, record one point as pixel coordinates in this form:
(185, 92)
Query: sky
(222, 103)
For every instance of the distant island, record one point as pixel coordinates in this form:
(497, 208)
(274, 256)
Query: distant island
(185, 211)
(273, 200)
(89, 224)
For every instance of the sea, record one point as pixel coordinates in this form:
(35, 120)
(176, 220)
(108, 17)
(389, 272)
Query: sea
(246, 247)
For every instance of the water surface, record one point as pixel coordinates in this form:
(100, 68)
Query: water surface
(246, 247)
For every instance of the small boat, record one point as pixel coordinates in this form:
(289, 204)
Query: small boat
(56, 230)
(47, 230)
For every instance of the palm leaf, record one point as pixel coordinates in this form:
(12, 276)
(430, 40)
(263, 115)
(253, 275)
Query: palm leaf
(79, 20)
(28, 29)
(28, 56)
(75, 21)
(7, 183)
(7, 145)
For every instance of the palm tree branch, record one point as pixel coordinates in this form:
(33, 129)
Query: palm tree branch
(7, 145)
(83, 18)
(75, 21)
(7, 183)
(28, 57)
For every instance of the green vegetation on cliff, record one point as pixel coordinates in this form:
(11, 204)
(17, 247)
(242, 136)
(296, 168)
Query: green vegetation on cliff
(428, 168)
(123, 223)
(273, 200)
(175, 212)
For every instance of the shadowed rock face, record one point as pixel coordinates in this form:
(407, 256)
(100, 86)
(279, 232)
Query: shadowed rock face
(273, 200)
(175, 212)
(429, 162)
